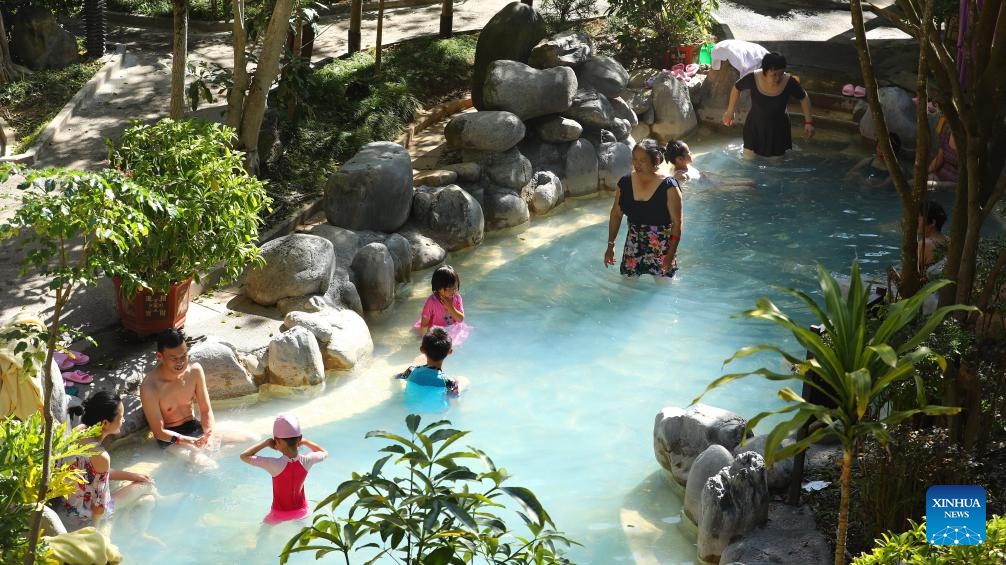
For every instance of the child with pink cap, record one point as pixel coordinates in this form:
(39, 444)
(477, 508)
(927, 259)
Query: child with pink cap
(288, 471)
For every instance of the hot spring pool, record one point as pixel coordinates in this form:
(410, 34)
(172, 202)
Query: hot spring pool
(568, 363)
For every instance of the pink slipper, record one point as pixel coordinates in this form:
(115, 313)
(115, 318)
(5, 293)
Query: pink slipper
(859, 92)
(78, 358)
(79, 377)
(691, 69)
(63, 361)
(848, 90)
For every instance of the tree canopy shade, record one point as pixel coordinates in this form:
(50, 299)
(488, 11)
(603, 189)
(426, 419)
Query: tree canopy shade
(969, 85)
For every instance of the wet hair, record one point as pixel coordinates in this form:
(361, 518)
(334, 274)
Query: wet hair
(169, 339)
(101, 406)
(652, 150)
(445, 277)
(772, 61)
(933, 213)
(436, 343)
(675, 148)
(290, 442)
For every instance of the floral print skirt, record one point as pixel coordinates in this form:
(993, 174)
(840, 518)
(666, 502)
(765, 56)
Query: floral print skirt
(645, 247)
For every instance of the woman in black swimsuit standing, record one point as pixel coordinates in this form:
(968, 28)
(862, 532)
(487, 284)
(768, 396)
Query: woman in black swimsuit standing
(652, 202)
(767, 128)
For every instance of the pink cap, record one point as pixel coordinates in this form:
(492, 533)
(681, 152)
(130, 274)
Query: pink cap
(286, 426)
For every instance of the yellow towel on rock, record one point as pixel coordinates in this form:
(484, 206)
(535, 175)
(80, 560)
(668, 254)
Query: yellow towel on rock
(86, 546)
(20, 394)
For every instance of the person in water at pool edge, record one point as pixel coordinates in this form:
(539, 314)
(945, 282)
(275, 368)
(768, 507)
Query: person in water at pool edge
(288, 471)
(436, 347)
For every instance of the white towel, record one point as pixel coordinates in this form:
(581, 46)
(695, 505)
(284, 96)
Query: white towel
(742, 55)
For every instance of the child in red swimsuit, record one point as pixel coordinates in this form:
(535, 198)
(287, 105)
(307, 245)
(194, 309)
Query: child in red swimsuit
(289, 470)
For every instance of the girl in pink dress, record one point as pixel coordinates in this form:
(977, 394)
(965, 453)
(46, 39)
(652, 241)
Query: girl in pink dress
(444, 307)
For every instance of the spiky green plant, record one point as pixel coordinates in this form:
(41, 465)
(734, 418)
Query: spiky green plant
(851, 365)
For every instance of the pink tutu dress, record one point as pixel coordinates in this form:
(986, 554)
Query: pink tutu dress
(435, 312)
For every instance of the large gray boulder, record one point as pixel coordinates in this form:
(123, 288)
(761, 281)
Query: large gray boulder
(425, 251)
(590, 108)
(449, 216)
(556, 129)
(344, 242)
(674, 116)
(546, 192)
(709, 463)
(899, 113)
(294, 359)
(373, 271)
(39, 42)
(639, 100)
(295, 265)
(734, 502)
(614, 160)
(679, 436)
(399, 248)
(568, 49)
(226, 376)
(510, 34)
(623, 110)
(506, 168)
(778, 475)
(581, 168)
(789, 536)
(528, 92)
(490, 130)
(342, 335)
(466, 171)
(504, 208)
(342, 290)
(545, 156)
(371, 191)
(604, 74)
(714, 94)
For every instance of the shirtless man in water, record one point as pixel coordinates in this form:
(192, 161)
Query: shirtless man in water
(168, 393)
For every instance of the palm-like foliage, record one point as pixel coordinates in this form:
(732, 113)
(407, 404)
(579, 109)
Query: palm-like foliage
(851, 365)
(435, 510)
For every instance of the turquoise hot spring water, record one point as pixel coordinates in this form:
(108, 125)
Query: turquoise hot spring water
(568, 362)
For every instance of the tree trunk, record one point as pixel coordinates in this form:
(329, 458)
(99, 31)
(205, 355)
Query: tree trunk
(96, 25)
(236, 97)
(380, 33)
(843, 507)
(62, 295)
(179, 44)
(265, 74)
(909, 204)
(355, 19)
(9, 70)
(447, 19)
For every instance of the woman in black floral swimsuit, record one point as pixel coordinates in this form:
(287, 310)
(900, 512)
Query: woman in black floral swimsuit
(652, 202)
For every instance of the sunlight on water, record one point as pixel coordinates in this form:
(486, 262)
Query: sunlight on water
(568, 363)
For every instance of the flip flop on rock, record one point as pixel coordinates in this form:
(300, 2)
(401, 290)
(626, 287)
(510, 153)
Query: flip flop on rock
(79, 377)
(848, 90)
(691, 69)
(859, 92)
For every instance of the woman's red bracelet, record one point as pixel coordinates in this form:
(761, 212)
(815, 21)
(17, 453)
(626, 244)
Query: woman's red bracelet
(675, 237)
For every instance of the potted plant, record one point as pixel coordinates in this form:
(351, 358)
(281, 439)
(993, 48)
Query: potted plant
(204, 214)
(659, 30)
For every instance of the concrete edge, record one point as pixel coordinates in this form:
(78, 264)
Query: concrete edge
(87, 91)
(202, 26)
(430, 116)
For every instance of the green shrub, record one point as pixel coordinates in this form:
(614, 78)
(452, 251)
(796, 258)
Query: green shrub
(911, 548)
(21, 455)
(891, 481)
(350, 105)
(198, 9)
(429, 507)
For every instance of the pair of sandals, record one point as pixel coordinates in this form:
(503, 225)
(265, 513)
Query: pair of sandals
(68, 360)
(684, 72)
(857, 91)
